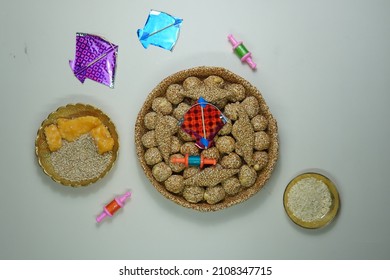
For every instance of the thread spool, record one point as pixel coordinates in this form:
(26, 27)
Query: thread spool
(242, 52)
(111, 208)
(198, 161)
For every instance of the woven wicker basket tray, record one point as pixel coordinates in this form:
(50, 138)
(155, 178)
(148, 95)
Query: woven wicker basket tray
(229, 77)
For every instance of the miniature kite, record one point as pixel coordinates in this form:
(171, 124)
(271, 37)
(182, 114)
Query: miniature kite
(203, 121)
(161, 30)
(95, 59)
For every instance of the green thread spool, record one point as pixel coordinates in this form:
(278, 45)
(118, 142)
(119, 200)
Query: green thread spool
(241, 50)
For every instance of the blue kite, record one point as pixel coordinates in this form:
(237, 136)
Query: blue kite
(161, 30)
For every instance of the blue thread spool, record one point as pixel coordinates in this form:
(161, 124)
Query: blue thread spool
(194, 161)
(198, 161)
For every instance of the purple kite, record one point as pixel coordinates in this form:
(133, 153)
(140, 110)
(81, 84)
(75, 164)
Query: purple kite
(95, 59)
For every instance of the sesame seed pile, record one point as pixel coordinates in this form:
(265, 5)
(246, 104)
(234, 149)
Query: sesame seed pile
(309, 199)
(79, 160)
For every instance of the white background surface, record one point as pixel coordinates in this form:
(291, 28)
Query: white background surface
(324, 70)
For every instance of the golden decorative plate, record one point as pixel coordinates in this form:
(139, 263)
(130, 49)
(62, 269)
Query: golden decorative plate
(72, 111)
(331, 207)
(202, 73)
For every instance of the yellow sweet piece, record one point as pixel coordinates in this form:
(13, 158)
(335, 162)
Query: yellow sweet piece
(71, 129)
(103, 139)
(53, 137)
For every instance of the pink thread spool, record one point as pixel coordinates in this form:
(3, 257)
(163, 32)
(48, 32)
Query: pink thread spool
(242, 52)
(113, 206)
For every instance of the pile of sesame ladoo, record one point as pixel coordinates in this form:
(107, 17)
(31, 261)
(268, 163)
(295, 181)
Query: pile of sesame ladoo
(76, 145)
(245, 148)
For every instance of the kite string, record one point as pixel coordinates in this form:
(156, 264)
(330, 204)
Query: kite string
(91, 63)
(157, 31)
(96, 59)
(203, 124)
